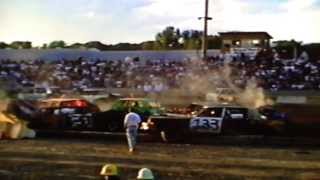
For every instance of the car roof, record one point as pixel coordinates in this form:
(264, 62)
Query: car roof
(61, 99)
(215, 105)
(56, 102)
(226, 106)
(93, 89)
(134, 99)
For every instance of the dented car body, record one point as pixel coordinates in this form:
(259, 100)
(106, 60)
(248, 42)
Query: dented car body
(56, 113)
(211, 120)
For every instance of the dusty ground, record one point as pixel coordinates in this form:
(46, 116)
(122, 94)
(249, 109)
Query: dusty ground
(57, 158)
(61, 158)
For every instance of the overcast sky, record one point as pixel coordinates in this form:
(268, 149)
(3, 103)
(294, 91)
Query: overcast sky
(113, 21)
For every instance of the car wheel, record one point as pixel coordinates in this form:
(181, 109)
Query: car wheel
(168, 137)
(164, 137)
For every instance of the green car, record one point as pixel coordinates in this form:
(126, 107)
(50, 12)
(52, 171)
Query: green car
(112, 120)
(142, 106)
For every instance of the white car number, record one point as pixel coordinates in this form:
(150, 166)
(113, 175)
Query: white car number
(206, 124)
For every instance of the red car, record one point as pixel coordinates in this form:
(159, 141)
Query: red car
(56, 113)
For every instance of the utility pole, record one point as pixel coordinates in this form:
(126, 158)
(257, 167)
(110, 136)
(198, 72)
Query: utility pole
(205, 31)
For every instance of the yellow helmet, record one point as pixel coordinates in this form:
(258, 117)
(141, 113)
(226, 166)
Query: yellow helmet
(109, 170)
(145, 173)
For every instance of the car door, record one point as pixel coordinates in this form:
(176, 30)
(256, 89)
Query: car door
(235, 119)
(208, 121)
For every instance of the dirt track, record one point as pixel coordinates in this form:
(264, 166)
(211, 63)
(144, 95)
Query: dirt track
(82, 159)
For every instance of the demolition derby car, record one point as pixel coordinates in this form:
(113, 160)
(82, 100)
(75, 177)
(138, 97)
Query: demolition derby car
(55, 113)
(80, 114)
(112, 119)
(210, 120)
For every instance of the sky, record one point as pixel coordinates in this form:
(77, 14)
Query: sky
(134, 21)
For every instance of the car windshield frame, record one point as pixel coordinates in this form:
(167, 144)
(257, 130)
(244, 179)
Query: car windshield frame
(205, 112)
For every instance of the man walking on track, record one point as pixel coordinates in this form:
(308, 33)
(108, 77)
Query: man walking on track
(131, 124)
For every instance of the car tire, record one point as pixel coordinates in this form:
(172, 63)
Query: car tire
(164, 136)
(169, 137)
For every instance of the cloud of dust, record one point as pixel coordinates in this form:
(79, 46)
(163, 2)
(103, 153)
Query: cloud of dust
(104, 105)
(200, 82)
(251, 95)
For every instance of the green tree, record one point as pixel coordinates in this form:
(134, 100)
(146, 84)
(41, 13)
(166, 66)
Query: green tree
(3, 45)
(126, 46)
(191, 39)
(185, 35)
(168, 38)
(148, 45)
(21, 45)
(27, 45)
(190, 44)
(214, 42)
(157, 46)
(97, 45)
(75, 46)
(57, 44)
(313, 51)
(195, 34)
(16, 45)
(44, 46)
(288, 49)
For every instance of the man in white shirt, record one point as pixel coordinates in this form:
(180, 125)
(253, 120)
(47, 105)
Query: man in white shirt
(131, 124)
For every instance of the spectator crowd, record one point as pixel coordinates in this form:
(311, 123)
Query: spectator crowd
(270, 72)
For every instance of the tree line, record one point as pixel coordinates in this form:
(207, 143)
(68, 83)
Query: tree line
(170, 38)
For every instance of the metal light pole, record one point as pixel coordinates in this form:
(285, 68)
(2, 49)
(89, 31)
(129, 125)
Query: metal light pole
(205, 31)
